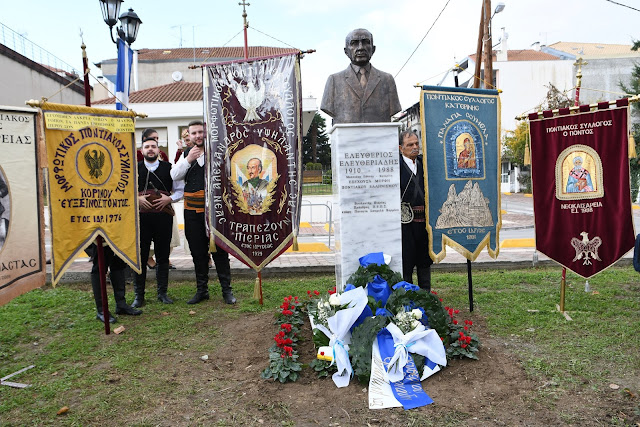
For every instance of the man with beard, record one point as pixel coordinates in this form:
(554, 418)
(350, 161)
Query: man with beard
(191, 169)
(156, 192)
(415, 239)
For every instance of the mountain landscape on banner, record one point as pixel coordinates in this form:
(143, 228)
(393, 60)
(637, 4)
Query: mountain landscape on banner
(469, 208)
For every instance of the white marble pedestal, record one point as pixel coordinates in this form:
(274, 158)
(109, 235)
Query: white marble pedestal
(366, 185)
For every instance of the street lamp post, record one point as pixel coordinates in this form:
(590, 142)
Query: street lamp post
(127, 32)
(130, 22)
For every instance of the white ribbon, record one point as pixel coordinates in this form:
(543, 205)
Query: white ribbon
(425, 342)
(339, 335)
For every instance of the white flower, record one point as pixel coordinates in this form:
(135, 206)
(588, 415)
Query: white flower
(334, 299)
(417, 313)
(326, 304)
(415, 324)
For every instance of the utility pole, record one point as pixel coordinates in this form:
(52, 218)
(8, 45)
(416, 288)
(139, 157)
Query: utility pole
(476, 74)
(488, 48)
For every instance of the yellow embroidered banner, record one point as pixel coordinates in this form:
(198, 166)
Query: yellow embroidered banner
(92, 182)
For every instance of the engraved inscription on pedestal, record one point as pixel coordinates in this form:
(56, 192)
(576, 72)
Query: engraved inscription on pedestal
(367, 189)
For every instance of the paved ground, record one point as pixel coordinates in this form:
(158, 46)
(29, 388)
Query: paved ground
(523, 254)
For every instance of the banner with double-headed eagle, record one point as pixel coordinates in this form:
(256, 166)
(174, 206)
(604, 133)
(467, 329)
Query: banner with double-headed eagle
(253, 185)
(22, 264)
(581, 194)
(92, 182)
(461, 154)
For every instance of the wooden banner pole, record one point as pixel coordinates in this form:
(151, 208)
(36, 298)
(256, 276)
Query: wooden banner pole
(99, 249)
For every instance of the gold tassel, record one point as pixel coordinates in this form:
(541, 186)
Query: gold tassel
(295, 244)
(212, 244)
(632, 147)
(527, 154)
(256, 288)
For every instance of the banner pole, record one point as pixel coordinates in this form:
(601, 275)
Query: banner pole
(99, 240)
(244, 4)
(103, 283)
(469, 279)
(260, 284)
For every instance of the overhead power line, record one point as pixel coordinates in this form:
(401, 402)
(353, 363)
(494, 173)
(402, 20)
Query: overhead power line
(623, 5)
(425, 36)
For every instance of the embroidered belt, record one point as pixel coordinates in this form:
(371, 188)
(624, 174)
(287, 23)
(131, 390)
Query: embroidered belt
(418, 213)
(194, 201)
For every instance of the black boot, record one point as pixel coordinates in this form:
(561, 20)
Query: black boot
(100, 317)
(202, 287)
(97, 296)
(138, 288)
(162, 275)
(424, 278)
(118, 283)
(223, 269)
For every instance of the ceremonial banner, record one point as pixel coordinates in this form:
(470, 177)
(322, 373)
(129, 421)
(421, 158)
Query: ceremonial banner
(461, 147)
(22, 266)
(253, 154)
(92, 182)
(582, 199)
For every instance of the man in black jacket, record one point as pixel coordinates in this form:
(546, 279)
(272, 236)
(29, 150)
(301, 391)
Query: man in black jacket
(156, 192)
(191, 169)
(415, 239)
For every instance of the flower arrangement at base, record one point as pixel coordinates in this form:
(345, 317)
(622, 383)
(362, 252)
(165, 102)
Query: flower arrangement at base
(283, 357)
(388, 333)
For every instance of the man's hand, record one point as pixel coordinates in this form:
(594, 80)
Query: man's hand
(162, 202)
(144, 203)
(194, 153)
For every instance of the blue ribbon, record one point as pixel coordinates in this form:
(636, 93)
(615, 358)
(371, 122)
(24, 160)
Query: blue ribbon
(409, 391)
(379, 290)
(372, 258)
(406, 286)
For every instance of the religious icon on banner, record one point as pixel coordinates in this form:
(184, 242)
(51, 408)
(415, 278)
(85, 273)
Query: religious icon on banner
(579, 174)
(463, 151)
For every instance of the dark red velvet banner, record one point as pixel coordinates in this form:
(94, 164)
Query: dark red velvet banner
(254, 132)
(581, 195)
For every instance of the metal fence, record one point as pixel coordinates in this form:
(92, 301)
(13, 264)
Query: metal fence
(25, 47)
(319, 188)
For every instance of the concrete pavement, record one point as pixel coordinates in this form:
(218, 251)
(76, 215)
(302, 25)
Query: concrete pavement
(316, 258)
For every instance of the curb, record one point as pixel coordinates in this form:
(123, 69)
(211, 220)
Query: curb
(290, 271)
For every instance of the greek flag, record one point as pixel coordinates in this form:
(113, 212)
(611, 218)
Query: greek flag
(123, 75)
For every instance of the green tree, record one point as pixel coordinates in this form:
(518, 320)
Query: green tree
(634, 88)
(515, 142)
(315, 145)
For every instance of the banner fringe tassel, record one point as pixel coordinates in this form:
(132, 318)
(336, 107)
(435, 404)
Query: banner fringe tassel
(632, 147)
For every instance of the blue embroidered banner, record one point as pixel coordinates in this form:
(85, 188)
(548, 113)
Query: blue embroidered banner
(461, 152)
(409, 391)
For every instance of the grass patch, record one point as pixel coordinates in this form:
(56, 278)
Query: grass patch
(76, 363)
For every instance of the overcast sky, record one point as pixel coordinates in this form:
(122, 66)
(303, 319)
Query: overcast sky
(397, 27)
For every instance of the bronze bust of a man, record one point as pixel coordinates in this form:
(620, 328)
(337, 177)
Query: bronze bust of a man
(361, 93)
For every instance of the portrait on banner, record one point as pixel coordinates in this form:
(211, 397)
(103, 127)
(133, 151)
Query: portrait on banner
(5, 208)
(579, 174)
(254, 178)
